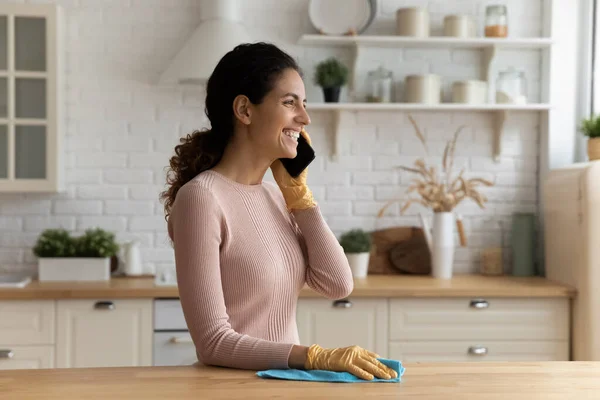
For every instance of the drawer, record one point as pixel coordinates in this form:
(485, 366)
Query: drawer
(459, 351)
(26, 322)
(168, 315)
(173, 348)
(490, 319)
(26, 357)
(340, 323)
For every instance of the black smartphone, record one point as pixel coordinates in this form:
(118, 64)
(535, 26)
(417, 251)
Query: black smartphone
(304, 156)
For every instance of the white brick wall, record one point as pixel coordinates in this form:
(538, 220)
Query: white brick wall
(121, 127)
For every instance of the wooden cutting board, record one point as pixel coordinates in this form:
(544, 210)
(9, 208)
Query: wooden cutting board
(399, 250)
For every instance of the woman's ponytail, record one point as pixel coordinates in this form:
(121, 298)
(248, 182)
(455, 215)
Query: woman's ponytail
(197, 152)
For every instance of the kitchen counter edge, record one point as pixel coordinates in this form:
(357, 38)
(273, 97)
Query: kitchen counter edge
(374, 286)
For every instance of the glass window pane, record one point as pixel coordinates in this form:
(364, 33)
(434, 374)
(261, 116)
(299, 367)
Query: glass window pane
(30, 152)
(3, 98)
(30, 99)
(30, 44)
(3, 42)
(3, 152)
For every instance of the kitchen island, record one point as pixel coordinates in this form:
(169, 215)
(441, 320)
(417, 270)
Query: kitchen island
(498, 380)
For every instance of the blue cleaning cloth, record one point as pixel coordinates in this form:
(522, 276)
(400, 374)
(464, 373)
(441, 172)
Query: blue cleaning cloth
(329, 376)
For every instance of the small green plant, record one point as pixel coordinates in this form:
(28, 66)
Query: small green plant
(356, 241)
(97, 243)
(54, 243)
(331, 73)
(59, 243)
(590, 127)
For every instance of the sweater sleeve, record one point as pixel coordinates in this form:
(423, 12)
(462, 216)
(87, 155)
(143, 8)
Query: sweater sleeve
(196, 227)
(328, 271)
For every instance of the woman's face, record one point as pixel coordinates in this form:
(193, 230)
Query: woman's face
(275, 124)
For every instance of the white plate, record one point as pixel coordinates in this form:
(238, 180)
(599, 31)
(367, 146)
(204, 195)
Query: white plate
(14, 281)
(338, 17)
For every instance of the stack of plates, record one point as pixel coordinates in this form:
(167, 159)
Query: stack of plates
(340, 17)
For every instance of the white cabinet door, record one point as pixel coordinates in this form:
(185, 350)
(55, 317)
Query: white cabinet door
(30, 107)
(26, 322)
(362, 322)
(104, 333)
(26, 357)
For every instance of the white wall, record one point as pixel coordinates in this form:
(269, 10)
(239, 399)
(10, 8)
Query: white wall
(121, 128)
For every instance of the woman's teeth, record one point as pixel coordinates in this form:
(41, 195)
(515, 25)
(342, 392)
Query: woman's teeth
(292, 134)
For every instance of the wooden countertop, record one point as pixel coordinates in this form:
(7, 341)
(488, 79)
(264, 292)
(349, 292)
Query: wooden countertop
(432, 381)
(372, 286)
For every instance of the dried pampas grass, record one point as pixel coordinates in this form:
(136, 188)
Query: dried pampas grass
(440, 192)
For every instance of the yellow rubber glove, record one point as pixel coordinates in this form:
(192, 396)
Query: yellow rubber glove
(354, 359)
(296, 193)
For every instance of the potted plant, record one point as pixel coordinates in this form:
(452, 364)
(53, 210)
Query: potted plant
(357, 246)
(331, 75)
(62, 257)
(590, 127)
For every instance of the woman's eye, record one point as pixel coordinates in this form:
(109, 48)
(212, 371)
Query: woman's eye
(290, 102)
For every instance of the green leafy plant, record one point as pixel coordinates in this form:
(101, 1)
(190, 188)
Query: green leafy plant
(97, 243)
(59, 243)
(55, 243)
(331, 73)
(356, 241)
(590, 127)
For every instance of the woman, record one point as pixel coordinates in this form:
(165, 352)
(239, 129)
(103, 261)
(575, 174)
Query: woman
(243, 247)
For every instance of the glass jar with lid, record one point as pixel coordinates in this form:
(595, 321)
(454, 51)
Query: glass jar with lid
(496, 21)
(511, 87)
(379, 86)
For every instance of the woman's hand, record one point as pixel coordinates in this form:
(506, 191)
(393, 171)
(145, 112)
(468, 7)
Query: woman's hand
(296, 193)
(354, 359)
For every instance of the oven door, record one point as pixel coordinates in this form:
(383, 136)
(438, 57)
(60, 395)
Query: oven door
(173, 348)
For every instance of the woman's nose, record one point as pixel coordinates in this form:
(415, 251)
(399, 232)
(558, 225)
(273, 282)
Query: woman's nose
(303, 117)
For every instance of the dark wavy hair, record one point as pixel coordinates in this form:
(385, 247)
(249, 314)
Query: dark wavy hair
(250, 69)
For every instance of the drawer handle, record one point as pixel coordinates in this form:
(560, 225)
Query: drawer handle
(104, 305)
(342, 304)
(179, 340)
(6, 354)
(479, 304)
(478, 350)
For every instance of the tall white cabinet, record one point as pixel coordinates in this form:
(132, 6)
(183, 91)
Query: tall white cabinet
(30, 103)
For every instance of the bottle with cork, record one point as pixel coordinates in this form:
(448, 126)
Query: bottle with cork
(496, 21)
(492, 260)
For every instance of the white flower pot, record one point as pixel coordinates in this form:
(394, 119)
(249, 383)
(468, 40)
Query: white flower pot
(359, 263)
(73, 269)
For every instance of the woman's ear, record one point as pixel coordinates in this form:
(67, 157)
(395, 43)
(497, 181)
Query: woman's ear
(241, 109)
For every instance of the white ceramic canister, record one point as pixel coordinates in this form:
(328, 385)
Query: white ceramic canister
(469, 92)
(424, 89)
(412, 21)
(459, 26)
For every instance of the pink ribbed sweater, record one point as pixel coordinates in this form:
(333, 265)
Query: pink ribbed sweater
(241, 261)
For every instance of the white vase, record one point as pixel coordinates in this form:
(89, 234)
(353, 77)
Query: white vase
(441, 244)
(59, 269)
(359, 264)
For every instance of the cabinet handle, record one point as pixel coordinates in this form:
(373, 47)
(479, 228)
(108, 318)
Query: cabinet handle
(178, 340)
(478, 350)
(479, 303)
(6, 354)
(342, 303)
(104, 305)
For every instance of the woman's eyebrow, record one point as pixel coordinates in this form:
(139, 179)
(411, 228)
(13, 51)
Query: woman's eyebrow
(294, 95)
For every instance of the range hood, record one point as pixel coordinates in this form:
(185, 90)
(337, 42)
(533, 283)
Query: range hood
(219, 31)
